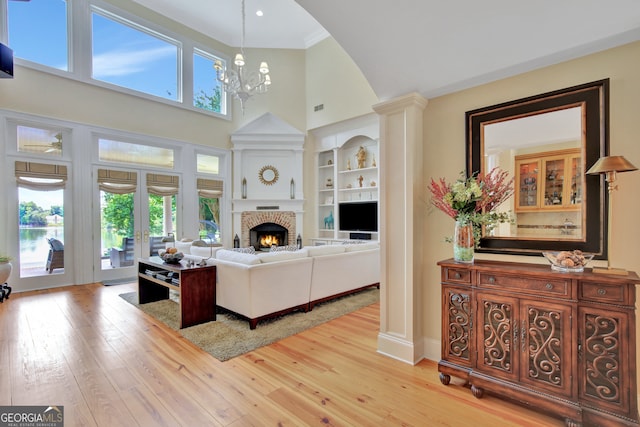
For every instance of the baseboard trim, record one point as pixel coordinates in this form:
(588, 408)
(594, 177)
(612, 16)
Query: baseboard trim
(399, 349)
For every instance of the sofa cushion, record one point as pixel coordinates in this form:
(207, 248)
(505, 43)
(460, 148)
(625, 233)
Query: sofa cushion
(281, 256)
(325, 250)
(361, 246)
(204, 244)
(227, 255)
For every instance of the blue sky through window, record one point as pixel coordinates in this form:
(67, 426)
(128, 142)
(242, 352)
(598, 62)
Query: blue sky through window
(38, 31)
(122, 54)
(128, 57)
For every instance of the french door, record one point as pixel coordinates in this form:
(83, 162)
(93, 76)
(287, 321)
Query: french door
(136, 209)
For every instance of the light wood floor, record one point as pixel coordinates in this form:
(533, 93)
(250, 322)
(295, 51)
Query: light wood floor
(109, 364)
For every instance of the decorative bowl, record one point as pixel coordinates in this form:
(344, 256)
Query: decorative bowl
(568, 261)
(171, 258)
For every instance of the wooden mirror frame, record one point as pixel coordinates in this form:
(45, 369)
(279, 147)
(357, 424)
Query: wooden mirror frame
(594, 98)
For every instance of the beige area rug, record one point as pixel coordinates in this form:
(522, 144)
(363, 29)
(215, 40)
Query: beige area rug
(229, 336)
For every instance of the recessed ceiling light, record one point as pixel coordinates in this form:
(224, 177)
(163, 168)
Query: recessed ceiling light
(259, 13)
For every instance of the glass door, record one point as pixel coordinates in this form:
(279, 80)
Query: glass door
(136, 212)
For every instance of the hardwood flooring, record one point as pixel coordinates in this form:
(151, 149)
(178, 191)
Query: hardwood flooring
(109, 364)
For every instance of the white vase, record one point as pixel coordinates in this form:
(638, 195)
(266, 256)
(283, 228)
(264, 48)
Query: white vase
(5, 272)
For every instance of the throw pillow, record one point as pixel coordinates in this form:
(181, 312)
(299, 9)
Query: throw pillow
(247, 250)
(289, 248)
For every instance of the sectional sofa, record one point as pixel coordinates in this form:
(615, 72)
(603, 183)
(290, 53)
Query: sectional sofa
(258, 286)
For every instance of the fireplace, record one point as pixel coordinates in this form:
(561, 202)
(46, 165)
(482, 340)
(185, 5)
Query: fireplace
(268, 234)
(278, 221)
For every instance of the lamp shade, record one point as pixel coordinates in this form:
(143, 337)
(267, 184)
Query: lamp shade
(611, 164)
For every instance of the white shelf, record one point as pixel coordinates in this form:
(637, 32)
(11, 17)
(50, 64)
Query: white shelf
(325, 167)
(356, 189)
(361, 170)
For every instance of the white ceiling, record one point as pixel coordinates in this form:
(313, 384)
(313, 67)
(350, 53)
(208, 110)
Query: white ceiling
(432, 47)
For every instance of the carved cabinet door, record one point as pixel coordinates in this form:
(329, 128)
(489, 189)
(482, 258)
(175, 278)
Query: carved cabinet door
(497, 336)
(604, 359)
(547, 346)
(525, 340)
(456, 325)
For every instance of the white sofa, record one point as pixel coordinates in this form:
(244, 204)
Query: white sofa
(275, 284)
(268, 284)
(342, 269)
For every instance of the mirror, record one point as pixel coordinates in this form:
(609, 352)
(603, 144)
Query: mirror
(546, 142)
(268, 175)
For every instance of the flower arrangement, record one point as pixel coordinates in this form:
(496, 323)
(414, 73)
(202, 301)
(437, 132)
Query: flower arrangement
(5, 258)
(474, 199)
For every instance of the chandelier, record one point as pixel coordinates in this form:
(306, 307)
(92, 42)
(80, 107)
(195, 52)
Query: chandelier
(239, 82)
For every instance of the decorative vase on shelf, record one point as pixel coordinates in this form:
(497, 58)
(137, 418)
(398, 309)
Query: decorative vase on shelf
(463, 242)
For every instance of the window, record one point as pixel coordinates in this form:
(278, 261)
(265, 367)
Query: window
(41, 217)
(137, 56)
(207, 93)
(40, 141)
(208, 164)
(209, 194)
(131, 56)
(139, 154)
(38, 32)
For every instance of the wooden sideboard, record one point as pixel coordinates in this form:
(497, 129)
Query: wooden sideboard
(561, 342)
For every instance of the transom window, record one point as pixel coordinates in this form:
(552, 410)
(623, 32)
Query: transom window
(139, 154)
(40, 141)
(208, 164)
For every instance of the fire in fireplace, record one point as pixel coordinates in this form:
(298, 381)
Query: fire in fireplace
(265, 235)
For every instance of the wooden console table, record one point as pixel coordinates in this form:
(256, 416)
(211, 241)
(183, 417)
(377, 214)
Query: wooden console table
(561, 342)
(197, 287)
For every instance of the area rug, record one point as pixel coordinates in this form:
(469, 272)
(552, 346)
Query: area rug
(229, 336)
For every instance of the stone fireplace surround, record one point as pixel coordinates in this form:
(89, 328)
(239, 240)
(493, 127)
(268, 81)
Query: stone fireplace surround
(250, 219)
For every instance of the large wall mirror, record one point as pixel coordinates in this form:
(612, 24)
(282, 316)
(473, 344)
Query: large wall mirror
(546, 142)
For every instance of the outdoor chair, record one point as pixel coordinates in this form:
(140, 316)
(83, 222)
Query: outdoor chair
(122, 257)
(156, 244)
(55, 259)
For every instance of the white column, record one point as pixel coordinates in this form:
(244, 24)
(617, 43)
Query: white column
(401, 220)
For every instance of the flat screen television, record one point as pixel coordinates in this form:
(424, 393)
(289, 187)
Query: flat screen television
(358, 216)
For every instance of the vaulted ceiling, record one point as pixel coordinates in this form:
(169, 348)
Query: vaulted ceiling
(432, 47)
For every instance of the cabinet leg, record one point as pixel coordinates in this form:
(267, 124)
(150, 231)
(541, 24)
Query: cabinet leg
(444, 378)
(572, 423)
(477, 391)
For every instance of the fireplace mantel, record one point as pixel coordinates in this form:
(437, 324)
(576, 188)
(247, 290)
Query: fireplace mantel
(267, 143)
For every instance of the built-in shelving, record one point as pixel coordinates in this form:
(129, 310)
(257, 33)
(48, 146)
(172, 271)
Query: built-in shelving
(340, 180)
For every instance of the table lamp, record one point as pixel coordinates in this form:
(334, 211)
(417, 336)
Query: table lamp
(609, 166)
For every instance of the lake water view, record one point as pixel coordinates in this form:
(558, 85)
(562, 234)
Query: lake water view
(34, 247)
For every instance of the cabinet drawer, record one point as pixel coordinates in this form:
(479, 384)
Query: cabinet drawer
(554, 287)
(457, 275)
(602, 292)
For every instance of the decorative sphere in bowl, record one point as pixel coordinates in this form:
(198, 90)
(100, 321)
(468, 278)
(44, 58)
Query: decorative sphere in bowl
(568, 261)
